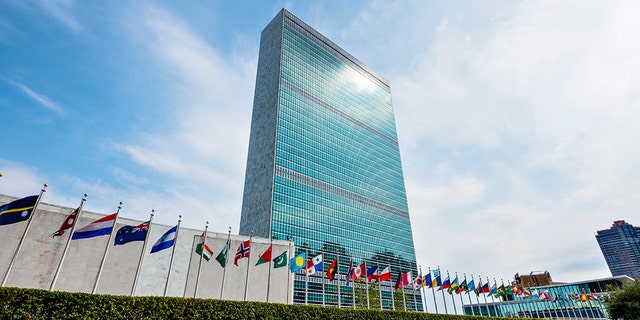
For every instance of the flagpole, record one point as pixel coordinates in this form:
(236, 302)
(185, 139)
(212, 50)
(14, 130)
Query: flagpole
(144, 249)
(423, 297)
(378, 281)
(366, 280)
(352, 272)
(477, 294)
(455, 310)
(226, 260)
(106, 250)
(306, 274)
(442, 291)
(468, 296)
(484, 295)
(246, 281)
(26, 229)
(269, 272)
(289, 273)
(323, 293)
(66, 246)
(204, 239)
(473, 312)
(338, 276)
(186, 278)
(415, 303)
(393, 292)
(173, 250)
(459, 295)
(433, 291)
(404, 302)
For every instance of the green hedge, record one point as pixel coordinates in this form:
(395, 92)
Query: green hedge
(17, 303)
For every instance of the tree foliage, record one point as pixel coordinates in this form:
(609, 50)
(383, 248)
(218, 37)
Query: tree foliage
(625, 302)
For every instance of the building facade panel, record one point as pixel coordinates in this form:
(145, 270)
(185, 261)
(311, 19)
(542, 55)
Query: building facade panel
(620, 246)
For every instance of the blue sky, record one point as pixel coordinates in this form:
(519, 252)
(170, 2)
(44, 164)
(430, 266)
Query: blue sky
(518, 121)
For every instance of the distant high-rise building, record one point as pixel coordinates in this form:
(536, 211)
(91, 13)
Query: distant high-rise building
(324, 166)
(620, 246)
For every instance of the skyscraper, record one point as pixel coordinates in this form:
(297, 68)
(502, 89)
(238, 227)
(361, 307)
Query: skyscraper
(620, 246)
(324, 163)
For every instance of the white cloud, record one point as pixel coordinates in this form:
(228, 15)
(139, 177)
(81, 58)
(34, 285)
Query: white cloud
(41, 99)
(61, 10)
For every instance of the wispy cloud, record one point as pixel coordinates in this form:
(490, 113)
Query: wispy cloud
(61, 11)
(39, 98)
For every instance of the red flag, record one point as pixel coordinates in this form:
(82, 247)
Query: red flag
(242, 252)
(68, 223)
(333, 268)
(384, 275)
(403, 280)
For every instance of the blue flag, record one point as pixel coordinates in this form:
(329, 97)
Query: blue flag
(127, 234)
(166, 241)
(18, 210)
(298, 262)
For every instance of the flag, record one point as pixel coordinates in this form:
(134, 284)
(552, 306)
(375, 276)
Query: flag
(446, 284)
(356, 272)
(242, 252)
(463, 287)
(166, 241)
(350, 273)
(404, 279)
(485, 288)
(472, 287)
(501, 292)
(265, 256)
(100, 227)
(418, 282)
(454, 285)
(18, 210)
(333, 268)
(371, 273)
(493, 289)
(127, 234)
(280, 261)
(203, 249)
(314, 265)
(68, 223)
(437, 281)
(297, 262)
(384, 275)
(427, 280)
(222, 256)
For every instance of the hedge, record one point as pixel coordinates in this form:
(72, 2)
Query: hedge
(19, 303)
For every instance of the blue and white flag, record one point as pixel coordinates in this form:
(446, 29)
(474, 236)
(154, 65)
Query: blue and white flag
(97, 228)
(166, 241)
(18, 210)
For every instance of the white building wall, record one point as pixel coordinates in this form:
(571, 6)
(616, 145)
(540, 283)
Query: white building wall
(36, 263)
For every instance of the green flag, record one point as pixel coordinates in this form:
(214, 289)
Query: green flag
(280, 261)
(222, 256)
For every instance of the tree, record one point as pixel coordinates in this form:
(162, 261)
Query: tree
(625, 302)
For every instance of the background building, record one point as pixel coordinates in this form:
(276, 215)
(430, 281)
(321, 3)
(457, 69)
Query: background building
(533, 279)
(620, 246)
(36, 263)
(576, 300)
(324, 163)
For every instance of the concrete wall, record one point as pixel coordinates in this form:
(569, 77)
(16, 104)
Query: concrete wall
(36, 263)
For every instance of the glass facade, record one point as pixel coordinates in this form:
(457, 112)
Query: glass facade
(584, 300)
(324, 165)
(620, 246)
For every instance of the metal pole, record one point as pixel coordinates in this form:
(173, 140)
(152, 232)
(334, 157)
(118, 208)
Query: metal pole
(442, 290)
(173, 250)
(393, 291)
(452, 299)
(404, 301)
(226, 261)
(306, 274)
(144, 249)
(323, 293)
(26, 229)
(473, 313)
(66, 246)
(269, 273)
(433, 291)
(366, 281)
(106, 250)
(378, 281)
(246, 281)
(203, 243)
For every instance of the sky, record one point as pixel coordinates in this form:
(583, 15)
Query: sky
(518, 121)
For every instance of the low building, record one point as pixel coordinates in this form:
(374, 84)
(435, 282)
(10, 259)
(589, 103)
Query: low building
(583, 299)
(36, 263)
